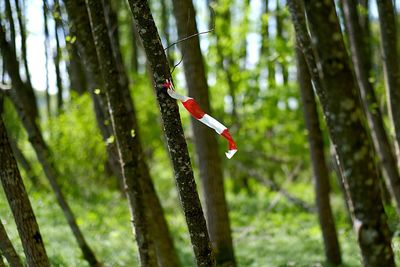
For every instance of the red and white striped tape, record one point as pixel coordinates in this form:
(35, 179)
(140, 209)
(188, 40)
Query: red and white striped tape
(194, 109)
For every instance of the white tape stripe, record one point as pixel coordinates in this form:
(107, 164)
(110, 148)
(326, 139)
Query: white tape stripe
(213, 123)
(175, 95)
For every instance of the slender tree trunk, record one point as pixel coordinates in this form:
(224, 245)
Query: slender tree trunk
(345, 124)
(174, 134)
(10, 19)
(370, 103)
(268, 50)
(23, 43)
(387, 22)
(7, 248)
(135, 50)
(57, 56)
(264, 32)
(208, 159)
(20, 205)
(25, 93)
(24, 163)
(46, 54)
(81, 26)
(280, 39)
(165, 27)
(126, 136)
(76, 70)
(166, 252)
(42, 151)
(225, 59)
(44, 156)
(320, 170)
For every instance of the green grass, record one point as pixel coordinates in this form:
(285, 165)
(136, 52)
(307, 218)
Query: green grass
(283, 236)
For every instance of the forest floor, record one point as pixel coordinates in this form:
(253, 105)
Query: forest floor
(263, 236)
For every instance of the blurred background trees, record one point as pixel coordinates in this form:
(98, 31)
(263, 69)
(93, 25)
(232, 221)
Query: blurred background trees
(313, 109)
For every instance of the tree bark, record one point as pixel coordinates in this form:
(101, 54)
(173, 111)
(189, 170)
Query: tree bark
(44, 156)
(24, 91)
(320, 169)
(370, 103)
(205, 140)
(387, 23)
(10, 19)
(280, 39)
(23, 45)
(76, 70)
(46, 54)
(166, 251)
(165, 27)
(225, 58)
(7, 248)
(128, 141)
(20, 205)
(345, 124)
(24, 163)
(57, 56)
(174, 134)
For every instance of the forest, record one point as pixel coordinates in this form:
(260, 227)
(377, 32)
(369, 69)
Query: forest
(179, 133)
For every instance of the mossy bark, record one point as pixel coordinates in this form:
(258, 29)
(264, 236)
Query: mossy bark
(390, 56)
(208, 158)
(320, 169)
(127, 137)
(370, 103)
(174, 133)
(20, 205)
(337, 92)
(7, 248)
(166, 252)
(23, 89)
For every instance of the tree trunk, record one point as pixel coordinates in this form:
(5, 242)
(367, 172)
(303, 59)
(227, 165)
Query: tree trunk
(387, 23)
(57, 56)
(20, 205)
(320, 170)
(127, 137)
(280, 40)
(166, 251)
(345, 124)
(46, 54)
(370, 103)
(165, 27)
(41, 149)
(267, 47)
(174, 134)
(43, 154)
(24, 91)
(23, 45)
(225, 59)
(7, 248)
(76, 70)
(24, 163)
(10, 19)
(208, 158)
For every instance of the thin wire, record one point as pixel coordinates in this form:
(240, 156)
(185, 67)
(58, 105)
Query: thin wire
(191, 36)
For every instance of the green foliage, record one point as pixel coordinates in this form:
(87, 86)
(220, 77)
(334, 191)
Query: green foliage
(74, 139)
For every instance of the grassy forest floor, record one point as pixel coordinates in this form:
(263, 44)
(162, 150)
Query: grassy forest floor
(283, 236)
